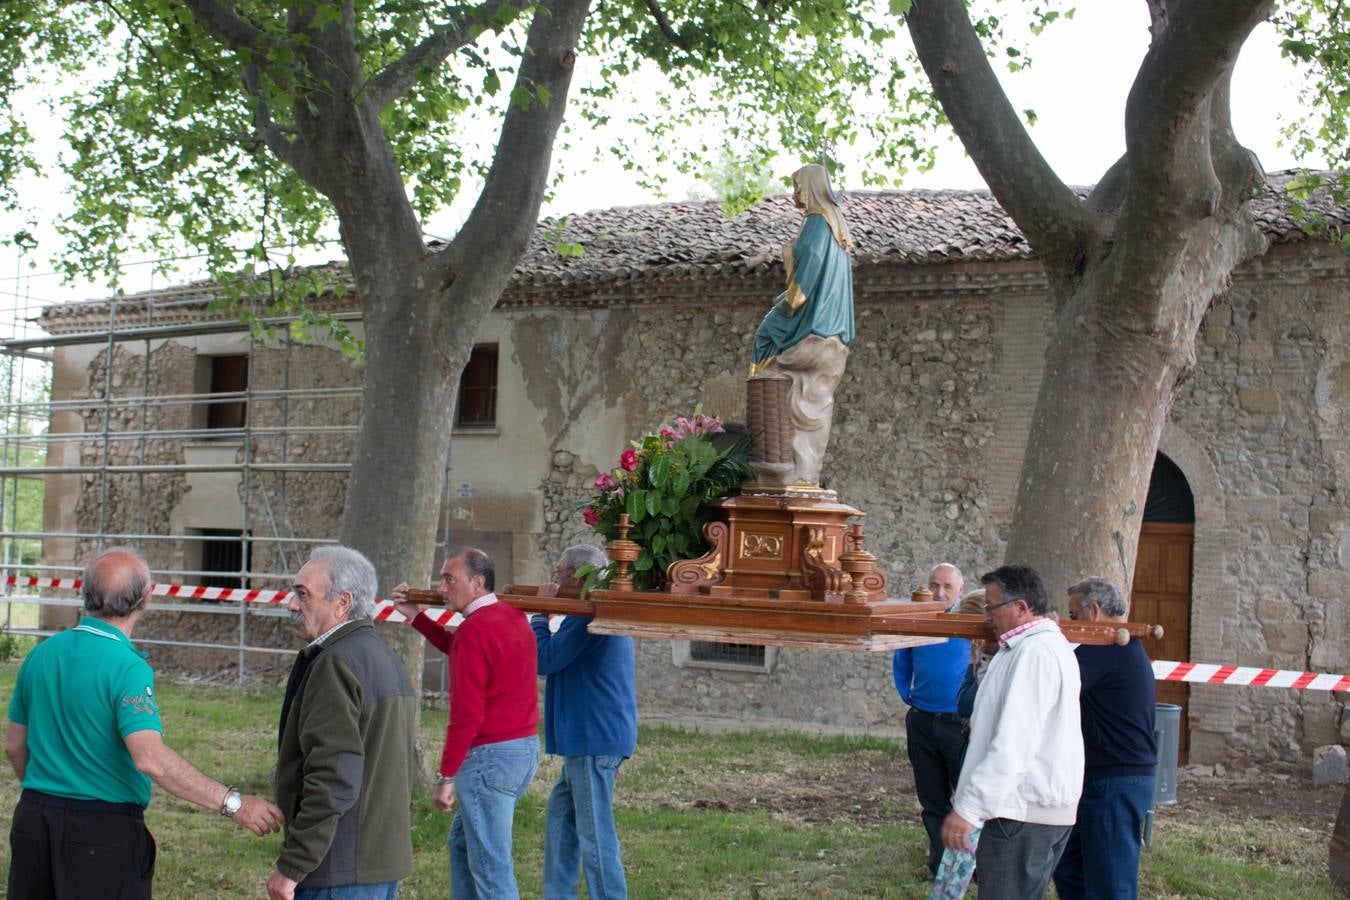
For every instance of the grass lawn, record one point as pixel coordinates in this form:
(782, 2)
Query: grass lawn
(700, 815)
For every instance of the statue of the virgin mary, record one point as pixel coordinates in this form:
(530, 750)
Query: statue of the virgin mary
(804, 340)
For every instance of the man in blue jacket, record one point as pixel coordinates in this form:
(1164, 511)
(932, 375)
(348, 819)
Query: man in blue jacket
(928, 679)
(590, 720)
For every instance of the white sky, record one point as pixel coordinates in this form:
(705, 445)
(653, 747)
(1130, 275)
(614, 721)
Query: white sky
(1081, 74)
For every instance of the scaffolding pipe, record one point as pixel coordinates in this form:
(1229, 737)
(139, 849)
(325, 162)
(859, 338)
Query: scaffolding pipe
(84, 535)
(139, 333)
(177, 468)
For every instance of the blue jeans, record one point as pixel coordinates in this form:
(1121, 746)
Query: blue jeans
(490, 781)
(387, 890)
(1110, 824)
(580, 831)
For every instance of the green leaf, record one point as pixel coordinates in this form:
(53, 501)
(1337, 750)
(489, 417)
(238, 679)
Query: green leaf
(636, 505)
(653, 504)
(899, 7)
(659, 473)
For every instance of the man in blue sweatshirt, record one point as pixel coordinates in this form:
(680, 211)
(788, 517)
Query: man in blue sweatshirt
(927, 679)
(1118, 700)
(590, 720)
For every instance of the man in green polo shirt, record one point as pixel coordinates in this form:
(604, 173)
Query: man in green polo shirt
(84, 739)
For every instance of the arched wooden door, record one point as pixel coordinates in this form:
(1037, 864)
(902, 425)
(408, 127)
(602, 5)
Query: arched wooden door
(1162, 578)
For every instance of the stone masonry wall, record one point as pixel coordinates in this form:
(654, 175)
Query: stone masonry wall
(1270, 403)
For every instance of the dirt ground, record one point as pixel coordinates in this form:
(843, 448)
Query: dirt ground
(876, 788)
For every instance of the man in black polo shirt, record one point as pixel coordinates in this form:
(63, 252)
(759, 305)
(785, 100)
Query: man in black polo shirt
(1101, 859)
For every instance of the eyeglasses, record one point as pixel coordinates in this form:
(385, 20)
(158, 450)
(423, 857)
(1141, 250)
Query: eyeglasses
(995, 606)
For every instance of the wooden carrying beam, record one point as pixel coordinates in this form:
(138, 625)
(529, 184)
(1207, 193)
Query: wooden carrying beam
(757, 620)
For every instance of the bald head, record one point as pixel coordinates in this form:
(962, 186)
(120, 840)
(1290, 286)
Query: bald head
(946, 583)
(115, 583)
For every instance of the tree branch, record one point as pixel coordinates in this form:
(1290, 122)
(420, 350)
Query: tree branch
(226, 24)
(1167, 115)
(289, 151)
(464, 27)
(503, 220)
(664, 24)
(1046, 210)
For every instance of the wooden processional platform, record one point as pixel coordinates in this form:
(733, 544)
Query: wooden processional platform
(785, 570)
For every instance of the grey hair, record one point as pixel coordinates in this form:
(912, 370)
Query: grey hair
(114, 592)
(973, 604)
(578, 555)
(946, 565)
(476, 563)
(1103, 593)
(349, 571)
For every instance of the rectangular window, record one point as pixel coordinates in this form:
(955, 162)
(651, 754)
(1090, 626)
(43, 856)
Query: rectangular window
(228, 375)
(731, 656)
(751, 655)
(225, 553)
(477, 403)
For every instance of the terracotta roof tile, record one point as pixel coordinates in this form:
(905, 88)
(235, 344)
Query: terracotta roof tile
(695, 240)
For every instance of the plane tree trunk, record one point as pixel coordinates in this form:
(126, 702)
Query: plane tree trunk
(420, 310)
(1132, 267)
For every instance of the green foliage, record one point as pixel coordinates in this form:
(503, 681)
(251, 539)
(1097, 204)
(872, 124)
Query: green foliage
(739, 183)
(663, 483)
(1316, 34)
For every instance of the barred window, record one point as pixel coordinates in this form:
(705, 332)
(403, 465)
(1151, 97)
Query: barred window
(735, 654)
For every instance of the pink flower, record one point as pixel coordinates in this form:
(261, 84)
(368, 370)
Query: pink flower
(629, 460)
(708, 424)
(667, 433)
(604, 481)
(590, 516)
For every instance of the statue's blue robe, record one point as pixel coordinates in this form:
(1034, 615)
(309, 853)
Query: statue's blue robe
(822, 272)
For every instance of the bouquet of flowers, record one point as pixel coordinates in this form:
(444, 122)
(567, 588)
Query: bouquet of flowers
(663, 482)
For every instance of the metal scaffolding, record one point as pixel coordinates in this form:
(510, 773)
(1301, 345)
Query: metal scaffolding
(122, 440)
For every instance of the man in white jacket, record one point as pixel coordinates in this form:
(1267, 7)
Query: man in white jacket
(1023, 771)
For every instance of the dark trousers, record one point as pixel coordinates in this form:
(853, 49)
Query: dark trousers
(936, 744)
(1110, 824)
(1015, 859)
(63, 849)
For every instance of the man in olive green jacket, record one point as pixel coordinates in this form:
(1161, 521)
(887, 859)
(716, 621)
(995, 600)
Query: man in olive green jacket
(345, 766)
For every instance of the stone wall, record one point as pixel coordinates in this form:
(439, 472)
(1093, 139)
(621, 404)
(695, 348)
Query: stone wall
(1269, 402)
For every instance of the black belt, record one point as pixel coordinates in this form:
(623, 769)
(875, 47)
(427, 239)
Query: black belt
(134, 810)
(939, 715)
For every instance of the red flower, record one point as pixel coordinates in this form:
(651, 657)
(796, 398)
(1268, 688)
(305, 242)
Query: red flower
(629, 460)
(604, 482)
(590, 516)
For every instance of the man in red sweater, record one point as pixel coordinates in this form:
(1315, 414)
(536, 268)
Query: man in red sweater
(492, 741)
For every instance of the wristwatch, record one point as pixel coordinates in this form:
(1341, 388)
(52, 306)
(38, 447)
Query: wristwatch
(233, 802)
(445, 779)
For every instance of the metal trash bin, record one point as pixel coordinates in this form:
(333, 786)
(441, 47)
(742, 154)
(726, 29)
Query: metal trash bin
(1166, 737)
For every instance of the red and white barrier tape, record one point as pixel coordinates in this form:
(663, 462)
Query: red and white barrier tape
(384, 609)
(1246, 676)
(1163, 669)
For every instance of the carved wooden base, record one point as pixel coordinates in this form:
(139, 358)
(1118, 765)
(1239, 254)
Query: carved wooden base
(783, 547)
